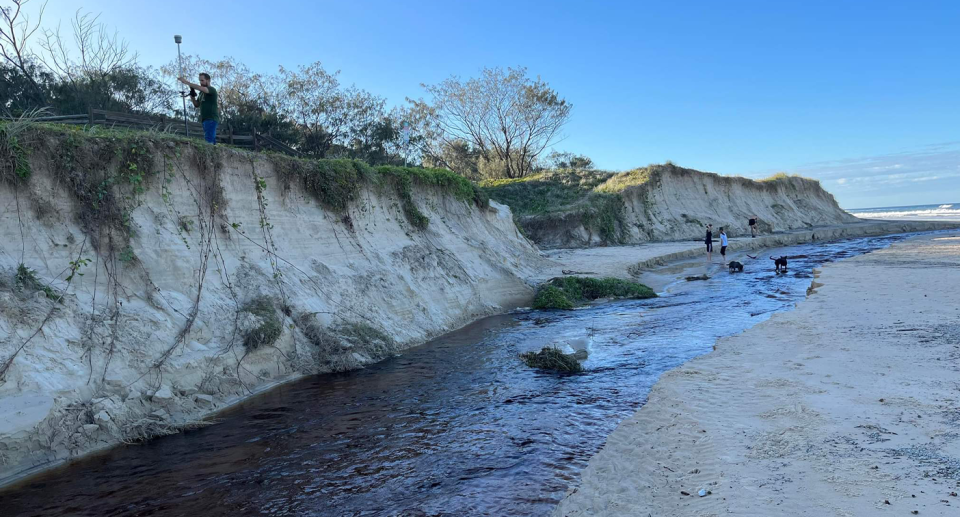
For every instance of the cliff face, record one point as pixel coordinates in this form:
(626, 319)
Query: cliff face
(146, 283)
(665, 203)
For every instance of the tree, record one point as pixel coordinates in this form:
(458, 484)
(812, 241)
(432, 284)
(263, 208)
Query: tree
(458, 156)
(567, 160)
(336, 121)
(313, 100)
(20, 92)
(15, 32)
(104, 74)
(88, 66)
(506, 116)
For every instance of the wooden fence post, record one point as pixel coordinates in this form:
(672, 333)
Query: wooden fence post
(90, 115)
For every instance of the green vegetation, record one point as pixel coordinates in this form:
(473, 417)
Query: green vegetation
(362, 336)
(576, 192)
(14, 158)
(619, 182)
(26, 278)
(333, 347)
(545, 192)
(552, 297)
(337, 183)
(14, 163)
(568, 291)
(269, 330)
(552, 359)
(107, 170)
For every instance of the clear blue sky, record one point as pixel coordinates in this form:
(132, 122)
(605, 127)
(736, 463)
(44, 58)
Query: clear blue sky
(841, 91)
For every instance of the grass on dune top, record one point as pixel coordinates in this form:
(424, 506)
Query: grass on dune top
(126, 156)
(568, 189)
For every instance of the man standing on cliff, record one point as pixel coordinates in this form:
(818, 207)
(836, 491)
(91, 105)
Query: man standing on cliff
(207, 102)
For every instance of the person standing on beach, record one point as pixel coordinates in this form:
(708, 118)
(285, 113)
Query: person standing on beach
(207, 102)
(709, 241)
(723, 245)
(753, 227)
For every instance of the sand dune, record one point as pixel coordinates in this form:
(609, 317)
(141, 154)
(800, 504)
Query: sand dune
(847, 406)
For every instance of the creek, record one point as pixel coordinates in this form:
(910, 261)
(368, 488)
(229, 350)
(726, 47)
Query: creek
(458, 426)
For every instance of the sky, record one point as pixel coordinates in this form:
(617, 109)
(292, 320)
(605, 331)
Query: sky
(861, 95)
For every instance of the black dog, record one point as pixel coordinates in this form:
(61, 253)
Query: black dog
(780, 262)
(736, 266)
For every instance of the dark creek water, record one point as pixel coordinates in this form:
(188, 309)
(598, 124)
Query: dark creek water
(455, 427)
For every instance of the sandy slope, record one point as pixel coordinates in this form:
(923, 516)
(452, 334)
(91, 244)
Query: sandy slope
(676, 203)
(848, 405)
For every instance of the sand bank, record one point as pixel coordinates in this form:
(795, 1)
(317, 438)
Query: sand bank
(848, 405)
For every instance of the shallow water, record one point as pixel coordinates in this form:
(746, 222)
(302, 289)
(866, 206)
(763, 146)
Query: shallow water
(458, 426)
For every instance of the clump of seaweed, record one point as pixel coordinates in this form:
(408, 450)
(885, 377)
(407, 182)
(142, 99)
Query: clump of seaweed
(551, 358)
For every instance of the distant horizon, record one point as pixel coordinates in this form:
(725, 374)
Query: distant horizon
(957, 204)
(858, 95)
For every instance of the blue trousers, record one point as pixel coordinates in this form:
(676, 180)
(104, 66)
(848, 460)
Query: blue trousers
(210, 131)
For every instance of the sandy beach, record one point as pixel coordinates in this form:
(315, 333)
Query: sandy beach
(848, 405)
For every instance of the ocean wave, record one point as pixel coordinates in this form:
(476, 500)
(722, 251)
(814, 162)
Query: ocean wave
(941, 212)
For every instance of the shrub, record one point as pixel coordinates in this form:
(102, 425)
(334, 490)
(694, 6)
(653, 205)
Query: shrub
(26, 278)
(551, 297)
(567, 291)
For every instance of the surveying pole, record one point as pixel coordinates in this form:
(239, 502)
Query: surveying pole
(183, 94)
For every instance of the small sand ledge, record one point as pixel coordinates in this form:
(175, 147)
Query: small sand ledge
(847, 406)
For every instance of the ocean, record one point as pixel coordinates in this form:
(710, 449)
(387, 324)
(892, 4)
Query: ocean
(938, 212)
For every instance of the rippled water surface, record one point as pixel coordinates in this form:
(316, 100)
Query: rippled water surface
(455, 427)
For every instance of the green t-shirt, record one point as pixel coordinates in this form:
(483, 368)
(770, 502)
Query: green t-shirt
(208, 105)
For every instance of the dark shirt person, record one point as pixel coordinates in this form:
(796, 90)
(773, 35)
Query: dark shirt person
(753, 226)
(207, 102)
(708, 240)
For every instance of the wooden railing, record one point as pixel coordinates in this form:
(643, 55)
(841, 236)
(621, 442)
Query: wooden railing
(95, 117)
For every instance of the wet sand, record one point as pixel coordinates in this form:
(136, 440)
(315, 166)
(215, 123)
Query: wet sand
(847, 406)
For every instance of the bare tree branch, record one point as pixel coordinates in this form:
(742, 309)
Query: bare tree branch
(509, 118)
